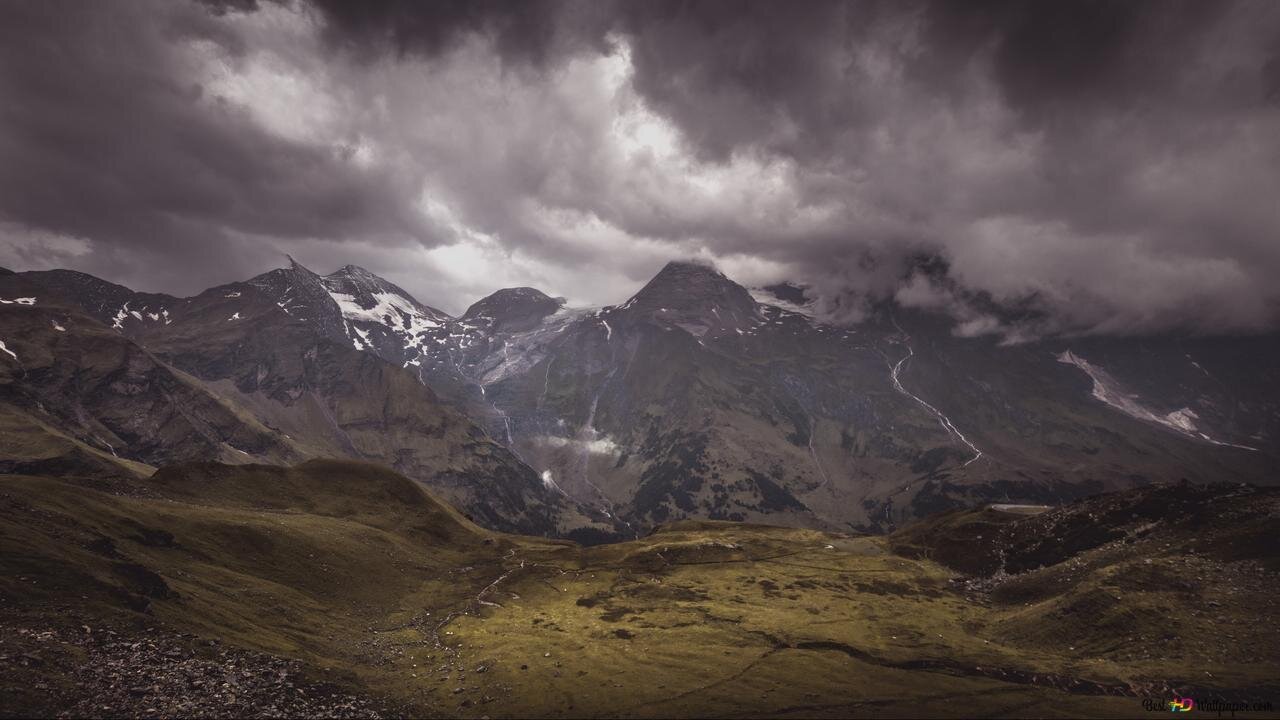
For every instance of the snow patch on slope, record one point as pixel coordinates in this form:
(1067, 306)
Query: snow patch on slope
(1184, 419)
(1108, 390)
(124, 313)
(391, 310)
(363, 337)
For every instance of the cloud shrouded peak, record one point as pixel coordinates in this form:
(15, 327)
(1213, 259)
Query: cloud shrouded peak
(1071, 167)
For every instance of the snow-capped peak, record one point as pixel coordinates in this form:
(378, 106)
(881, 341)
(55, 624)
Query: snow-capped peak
(367, 302)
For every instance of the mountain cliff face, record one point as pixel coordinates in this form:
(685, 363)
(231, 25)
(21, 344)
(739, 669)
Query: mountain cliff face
(261, 371)
(80, 397)
(696, 397)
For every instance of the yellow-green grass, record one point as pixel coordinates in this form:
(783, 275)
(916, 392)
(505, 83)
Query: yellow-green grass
(370, 581)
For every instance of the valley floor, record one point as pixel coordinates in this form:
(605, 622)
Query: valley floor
(214, 597)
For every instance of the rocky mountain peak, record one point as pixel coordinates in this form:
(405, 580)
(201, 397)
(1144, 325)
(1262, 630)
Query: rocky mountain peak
(688, 293)
(301, 294)
(513, 309)
(685, 269)
(279, 281)
(352, 285)
(299, 268)
(352, 270)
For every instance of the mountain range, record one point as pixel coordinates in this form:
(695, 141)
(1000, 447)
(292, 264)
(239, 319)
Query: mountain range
(696, 397)
(314, 495)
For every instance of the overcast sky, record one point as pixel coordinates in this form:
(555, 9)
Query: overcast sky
(1102, 166)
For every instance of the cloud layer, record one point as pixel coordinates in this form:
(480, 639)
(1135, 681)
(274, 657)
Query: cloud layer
(1027, 168)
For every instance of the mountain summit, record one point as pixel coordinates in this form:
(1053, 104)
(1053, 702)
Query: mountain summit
(689, 287)
(513, 309)
(364, 296)
(287, 366)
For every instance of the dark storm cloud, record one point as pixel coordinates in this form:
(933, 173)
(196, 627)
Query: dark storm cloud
(1095, 166)
(735, 74)
(727, 70)
(1057, 55)
(1117, 97)
(107, 134)
(530, 31)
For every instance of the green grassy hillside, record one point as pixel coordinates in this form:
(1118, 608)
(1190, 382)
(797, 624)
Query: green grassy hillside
(371, 596)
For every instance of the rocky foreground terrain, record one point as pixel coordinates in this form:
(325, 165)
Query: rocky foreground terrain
(343, 589)
(150, 672)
